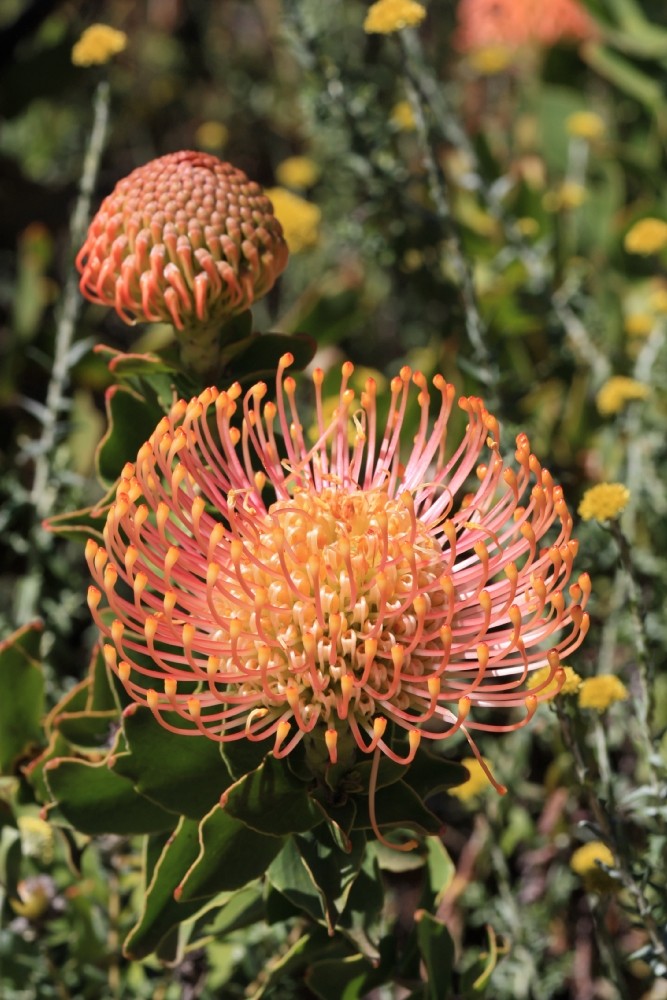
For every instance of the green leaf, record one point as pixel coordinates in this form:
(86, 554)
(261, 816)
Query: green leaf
(295, 959)
(182, 774)
(21, 697)
(317, 877)
(132, 419)
(271, 800)
(96, 800)
(262, 352)
(242, 756)
(428, 773)
(437, 950)
(362, 920)
(342, 978)
(441, 868)
(160, 911)
(245, 907)
(397, 805)
(290, 876)
(230, 855)
(332, 872)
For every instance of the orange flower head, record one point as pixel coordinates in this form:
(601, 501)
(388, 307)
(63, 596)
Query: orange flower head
(263, 586)
(513, 23)
(184, 239)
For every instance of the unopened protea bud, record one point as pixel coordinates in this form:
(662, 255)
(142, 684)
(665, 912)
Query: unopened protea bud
(185, 239)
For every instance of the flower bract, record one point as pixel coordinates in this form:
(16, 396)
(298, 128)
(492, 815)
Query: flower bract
(261, 586)
(185, 239)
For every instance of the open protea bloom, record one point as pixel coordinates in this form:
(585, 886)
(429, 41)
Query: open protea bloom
(511, 23)
(185, 239)
(264, 586)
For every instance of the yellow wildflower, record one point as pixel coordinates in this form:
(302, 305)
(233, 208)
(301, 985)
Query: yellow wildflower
(585, 125)
(638, 324)
(568, 195)
(602, 691)
(402, 116)
(528, 226)
(604, 502)
(36, 838)
(570, 685)
(97, 45)
(211, 135)
(386, 16)
(617, 391)
(477, 783)
(585, 863)
(299, 218)
(490, 59)
(646, 236)
(658, 299)
(297, 172)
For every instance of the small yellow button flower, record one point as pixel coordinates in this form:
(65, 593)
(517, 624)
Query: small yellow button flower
(602, 691)
(646, 236)
(528, 226)
(658, 299)
(386, 16)
(585, 125)
(569, 195)
(491, 59)
(297, 172)
(299, 218)
(639, 324)
(585, 863)
(97, 45)
(571, 683)
(604, 502)
(211, 135)
(402, 116)
(476, 784)
(617, 391)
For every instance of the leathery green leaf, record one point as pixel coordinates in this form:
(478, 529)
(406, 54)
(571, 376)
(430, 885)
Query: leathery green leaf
(272, 800)
(230, 855)
(21, 697)
(184, 775)
(437, 950)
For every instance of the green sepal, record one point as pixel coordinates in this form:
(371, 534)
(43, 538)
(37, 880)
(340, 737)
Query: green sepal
(230, 856)
(182, 774)
(21, 697)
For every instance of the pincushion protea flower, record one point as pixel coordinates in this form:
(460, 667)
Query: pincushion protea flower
(263, 587)
(185, 239)
(511, 23)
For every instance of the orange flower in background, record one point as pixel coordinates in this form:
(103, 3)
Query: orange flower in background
(263, 587)
(512, 23)
(184, 239)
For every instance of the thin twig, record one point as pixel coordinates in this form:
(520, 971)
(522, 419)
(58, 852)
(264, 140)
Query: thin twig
(43, 494)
